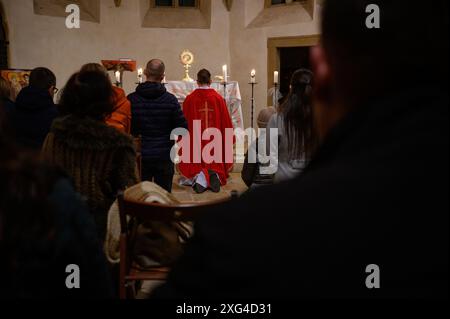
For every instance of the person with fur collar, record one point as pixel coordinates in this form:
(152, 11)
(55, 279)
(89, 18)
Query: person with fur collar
(100, 159)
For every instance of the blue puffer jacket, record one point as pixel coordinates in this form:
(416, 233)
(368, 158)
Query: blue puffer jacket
(155, 113)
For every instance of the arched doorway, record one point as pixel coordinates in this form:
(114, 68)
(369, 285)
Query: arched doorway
(3, 41)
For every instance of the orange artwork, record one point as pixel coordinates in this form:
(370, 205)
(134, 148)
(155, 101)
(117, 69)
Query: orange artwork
(18, 79)
(120, 65)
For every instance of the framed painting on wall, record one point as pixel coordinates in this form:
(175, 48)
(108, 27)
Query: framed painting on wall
(17, 78)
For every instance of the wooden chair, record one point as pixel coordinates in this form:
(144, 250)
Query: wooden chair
(129, 273)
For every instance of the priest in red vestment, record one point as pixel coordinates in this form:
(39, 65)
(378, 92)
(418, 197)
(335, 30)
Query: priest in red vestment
(211, 137)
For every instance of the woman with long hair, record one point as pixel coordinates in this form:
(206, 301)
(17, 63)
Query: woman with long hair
(294, 121)
(120, 118)
(100, 159)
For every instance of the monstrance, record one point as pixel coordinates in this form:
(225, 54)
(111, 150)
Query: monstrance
(187, 59)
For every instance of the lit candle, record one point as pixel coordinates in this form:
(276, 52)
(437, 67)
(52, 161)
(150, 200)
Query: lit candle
(253, 76)
(117, 76)
(225, 73)
(140, 73)
(276, 77)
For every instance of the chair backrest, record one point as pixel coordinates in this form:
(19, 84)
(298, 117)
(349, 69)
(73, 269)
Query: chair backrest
(164, 213)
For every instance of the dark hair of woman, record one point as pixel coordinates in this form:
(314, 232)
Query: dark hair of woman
(297, 113)
(88, 94)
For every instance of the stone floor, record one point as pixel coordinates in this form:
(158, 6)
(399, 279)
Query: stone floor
(187, 195)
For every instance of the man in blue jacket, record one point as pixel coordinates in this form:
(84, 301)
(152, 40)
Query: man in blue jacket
(155, 113)
(34, 111)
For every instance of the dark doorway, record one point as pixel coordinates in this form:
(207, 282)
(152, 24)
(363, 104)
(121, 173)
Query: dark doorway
(286, 55)
(292, 59)
(3, 42)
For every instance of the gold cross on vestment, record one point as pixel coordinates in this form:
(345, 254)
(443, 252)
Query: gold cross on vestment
(206, 110)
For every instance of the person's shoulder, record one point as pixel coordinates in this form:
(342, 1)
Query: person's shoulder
(213, 95)
(88, 133)
(132, 96)
(118, 91)
(191, 96)
(171, 98)
(124, 140)
(273, 121)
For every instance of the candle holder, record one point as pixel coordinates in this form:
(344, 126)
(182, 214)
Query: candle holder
(275, 94)
(225, 84)
(253, 118)
(253, 103)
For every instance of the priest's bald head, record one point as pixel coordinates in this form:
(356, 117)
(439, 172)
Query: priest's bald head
(155, 70)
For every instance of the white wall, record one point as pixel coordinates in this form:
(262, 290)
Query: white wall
(37, 40)
(44, 41)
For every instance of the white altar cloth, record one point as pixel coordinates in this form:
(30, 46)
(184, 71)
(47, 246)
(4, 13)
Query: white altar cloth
(233, 97)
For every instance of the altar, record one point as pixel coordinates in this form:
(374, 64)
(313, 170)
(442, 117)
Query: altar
(233, 97)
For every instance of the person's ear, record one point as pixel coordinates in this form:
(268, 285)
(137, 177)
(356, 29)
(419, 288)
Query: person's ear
(322, 73)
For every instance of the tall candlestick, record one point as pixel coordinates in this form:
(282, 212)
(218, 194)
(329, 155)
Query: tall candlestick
(225, 73)
(276, 77)
(253, 76)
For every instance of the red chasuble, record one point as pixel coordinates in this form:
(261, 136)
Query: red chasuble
(207, 114)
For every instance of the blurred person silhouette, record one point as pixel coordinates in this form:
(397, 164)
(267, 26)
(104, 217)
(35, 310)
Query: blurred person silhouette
(44, 227)
(376, 192)
(297, 138)
(34, 111)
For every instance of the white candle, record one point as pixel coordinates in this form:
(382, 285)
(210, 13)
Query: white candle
(253, 76)
(118, 76)
(225, 73)
(140, 73)
(276, 77)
